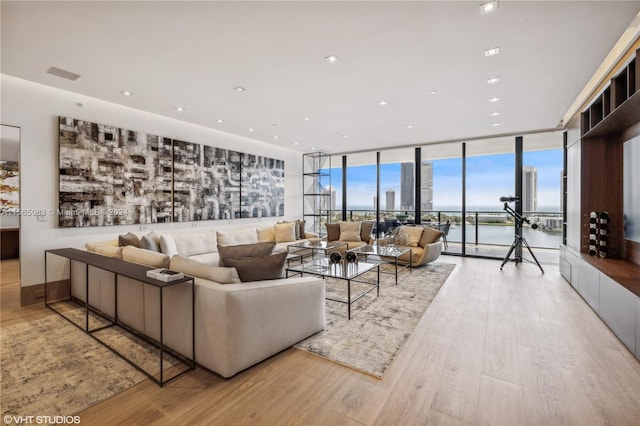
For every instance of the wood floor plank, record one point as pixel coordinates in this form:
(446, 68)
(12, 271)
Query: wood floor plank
(501, 402)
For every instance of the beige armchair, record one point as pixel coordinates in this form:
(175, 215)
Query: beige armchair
(425, 243)
(354, 234)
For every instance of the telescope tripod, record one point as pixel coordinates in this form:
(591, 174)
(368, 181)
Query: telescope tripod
(518, 242)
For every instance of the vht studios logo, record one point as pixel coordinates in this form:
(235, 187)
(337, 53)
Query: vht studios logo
(39, 420)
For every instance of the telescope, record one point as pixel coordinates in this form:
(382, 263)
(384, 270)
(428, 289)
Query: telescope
(519, 241)
(509, 199)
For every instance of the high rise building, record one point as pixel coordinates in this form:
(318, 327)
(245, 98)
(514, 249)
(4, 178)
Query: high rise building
(426, 186)
(391, 199)
(529, 189)
(406, 186)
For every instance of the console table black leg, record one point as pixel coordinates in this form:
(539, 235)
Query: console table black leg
(349, 298)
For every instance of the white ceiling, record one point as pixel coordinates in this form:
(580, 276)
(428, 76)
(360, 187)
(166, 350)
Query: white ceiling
(193, 54)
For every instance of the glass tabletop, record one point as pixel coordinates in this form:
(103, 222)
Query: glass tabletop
(318, 245)
(395, 251)
(325, 268)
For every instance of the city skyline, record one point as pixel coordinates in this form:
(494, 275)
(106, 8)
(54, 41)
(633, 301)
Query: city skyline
(488, 178)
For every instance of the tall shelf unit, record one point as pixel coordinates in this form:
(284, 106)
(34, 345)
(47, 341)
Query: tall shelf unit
(316, 181)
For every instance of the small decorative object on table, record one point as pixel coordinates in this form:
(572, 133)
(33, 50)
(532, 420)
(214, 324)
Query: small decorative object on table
(351, 257)
(335, 257)
(165, 275)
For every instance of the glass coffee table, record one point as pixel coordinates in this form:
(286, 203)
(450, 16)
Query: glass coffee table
(391, 253)
(312, 248)
(343, 271)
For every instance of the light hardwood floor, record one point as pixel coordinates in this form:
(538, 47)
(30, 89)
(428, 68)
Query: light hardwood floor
(511, 347)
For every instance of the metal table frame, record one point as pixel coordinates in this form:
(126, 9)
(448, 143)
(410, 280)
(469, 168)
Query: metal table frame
(135, 272)
(358, 251)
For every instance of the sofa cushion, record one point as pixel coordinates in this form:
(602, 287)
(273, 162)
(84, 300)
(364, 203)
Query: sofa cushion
(217, 274)
(196, 243)
(414, 233)
(128, 239)
(429, 235)
(245, 250)
(92, 246)
(333, 231)
(239, 236)
(285, 231)
(168, 245)
(109, 250)
(266, 233)
(151, 241)
(365, 231)
(145, 257)
(350, 231)
(206, 258)
(258, 268)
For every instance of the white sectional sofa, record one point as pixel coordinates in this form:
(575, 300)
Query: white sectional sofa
(237, 324)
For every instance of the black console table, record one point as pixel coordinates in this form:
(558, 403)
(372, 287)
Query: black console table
(130, 270)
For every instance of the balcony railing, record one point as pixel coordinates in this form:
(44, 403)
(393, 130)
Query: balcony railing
(482, 227)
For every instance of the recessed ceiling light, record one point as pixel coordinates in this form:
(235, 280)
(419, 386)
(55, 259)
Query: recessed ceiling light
(433, 92)
(220, 120)
(275, 137)
(494, 114)
(250, 130)
(494, 99)
(313, 148)
(239, 89)
(495, 124)
(492, 52)
(305, 118)
(383, 103)
(345, 136)
(179, 108)
(126, 93)
(332, 59)
(409, 126)
(295, 143)
(489, 7)
(493, 80)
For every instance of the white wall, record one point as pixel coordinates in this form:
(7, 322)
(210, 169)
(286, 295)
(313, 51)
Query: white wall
(35, 109)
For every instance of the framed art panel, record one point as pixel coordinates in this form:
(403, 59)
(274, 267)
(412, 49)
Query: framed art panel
(188, 197)
(262, 186)
(221, 183)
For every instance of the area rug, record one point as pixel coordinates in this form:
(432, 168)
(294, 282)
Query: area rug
(51, 368)
(378, 326)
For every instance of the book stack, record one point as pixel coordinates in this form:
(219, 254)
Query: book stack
(165, 275)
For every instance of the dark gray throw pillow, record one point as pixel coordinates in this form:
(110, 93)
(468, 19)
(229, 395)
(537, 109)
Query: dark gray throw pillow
(151, 242)
(129, 239)
(245, 250)
(258, 268)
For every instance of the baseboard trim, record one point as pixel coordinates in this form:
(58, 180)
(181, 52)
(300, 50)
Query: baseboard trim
(33, 294)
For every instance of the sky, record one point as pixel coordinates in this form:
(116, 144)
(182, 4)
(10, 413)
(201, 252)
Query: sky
(488, 178)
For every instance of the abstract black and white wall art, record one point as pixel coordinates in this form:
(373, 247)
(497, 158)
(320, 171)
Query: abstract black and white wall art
(262, 186)
(222, 183)
(188, 200)
(113, 176)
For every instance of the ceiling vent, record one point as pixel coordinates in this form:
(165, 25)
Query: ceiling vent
(63, 74)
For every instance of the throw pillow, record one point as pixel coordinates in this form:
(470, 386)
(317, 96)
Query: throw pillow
(285, 232)
(350, 231)
(267, 233)
(151, 241)
(266, 267)
(333, 231)
(301, 224)
(245, 250)
(365, 231)
(414, 233)
(429, 235)
(168, 245)
(201, 270)
(296, 228)
(129, 239)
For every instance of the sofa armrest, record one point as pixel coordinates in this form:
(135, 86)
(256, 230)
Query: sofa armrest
(239, 325)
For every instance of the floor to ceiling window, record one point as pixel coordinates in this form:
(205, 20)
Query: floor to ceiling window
(361, 187)
(397, 188)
